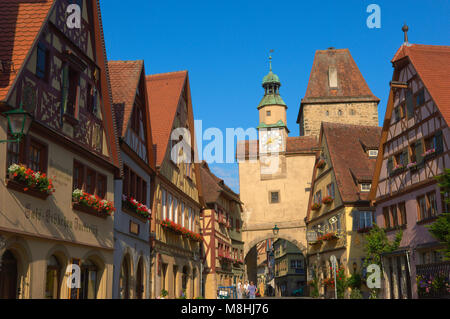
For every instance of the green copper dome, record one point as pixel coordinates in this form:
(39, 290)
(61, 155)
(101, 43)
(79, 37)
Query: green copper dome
(271, 78)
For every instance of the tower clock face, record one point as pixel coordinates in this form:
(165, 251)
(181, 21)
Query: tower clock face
(271, 141)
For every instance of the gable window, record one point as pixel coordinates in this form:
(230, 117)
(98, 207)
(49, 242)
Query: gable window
(268, 113)
(373, 153)
(70, 89)
(365, 187)
(318, 197)
(420, 98)
(42, 61)
(274, 197)
(409, 104)
(330, 190)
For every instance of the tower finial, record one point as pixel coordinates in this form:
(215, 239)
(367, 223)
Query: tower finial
(270, 59)
(405, 31)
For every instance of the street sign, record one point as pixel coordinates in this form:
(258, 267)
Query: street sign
(311, 236)
(332, 220)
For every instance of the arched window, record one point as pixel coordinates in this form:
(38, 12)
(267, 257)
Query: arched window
(52, 285)
(340, 113)
(89, 274)
(185, 277)
(123, 280)
(8, 276)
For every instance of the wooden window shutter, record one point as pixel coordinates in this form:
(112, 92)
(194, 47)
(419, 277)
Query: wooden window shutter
(409, 104)
(390, 164)
(419, 151)
(439, 142)
(405, 157)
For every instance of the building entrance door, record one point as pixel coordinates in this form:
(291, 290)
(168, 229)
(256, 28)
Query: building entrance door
(8, 276)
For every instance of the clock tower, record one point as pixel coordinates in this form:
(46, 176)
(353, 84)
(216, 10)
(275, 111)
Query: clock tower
(272, 126)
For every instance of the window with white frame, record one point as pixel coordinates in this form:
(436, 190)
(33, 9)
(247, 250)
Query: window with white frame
(175, 210)
(365, 187)
(373, 153)
(169, 200)
(182, 214)
(164, 206)
(190, 219)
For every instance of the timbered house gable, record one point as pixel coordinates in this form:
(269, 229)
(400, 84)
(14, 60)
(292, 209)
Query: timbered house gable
(131, 109)
(171, 109)
(414, 146)
(63, 80)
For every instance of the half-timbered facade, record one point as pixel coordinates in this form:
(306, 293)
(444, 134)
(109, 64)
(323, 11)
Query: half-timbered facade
(414, 149)
(221, 224)
(339, 210)
(177, 188)
(133, 191)
(59, 75)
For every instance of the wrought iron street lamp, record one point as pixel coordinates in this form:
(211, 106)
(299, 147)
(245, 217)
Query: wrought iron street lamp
(19, 123)
(275, 230)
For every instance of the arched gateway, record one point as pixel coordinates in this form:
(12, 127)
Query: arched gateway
(275, 174)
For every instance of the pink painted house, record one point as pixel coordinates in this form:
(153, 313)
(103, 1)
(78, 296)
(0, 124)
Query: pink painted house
(414, 148)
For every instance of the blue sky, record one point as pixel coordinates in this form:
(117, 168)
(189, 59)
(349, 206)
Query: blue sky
(225, 45)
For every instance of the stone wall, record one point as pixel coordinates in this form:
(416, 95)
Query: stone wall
(360, 113)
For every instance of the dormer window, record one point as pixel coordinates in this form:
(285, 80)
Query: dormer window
(268, 113)
(365, 187)
(332, 77)
(373, 153)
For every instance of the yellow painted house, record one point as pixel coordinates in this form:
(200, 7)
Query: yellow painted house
(339, 211)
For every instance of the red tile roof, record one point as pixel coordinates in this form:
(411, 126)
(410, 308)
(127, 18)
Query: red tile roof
(164, 92)
(124, 78)
(20, 23)
(351, 83)
(347, 145)
(214, 186)
(432, 63)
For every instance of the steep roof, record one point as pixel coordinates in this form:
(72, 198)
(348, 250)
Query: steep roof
(350, 82)
(164, 92)
(347, 145)
(214, 186)
(20, 24)
(432, 63)
(124, 78)
(294, 144)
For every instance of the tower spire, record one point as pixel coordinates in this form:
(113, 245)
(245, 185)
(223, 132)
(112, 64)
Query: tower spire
(270, 60)
(405, 31)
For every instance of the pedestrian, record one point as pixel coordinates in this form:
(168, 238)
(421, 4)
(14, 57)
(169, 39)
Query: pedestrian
(251, 290)
(246, 289)
(239, 290)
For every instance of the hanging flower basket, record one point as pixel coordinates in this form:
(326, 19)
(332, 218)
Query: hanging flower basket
(93, 204)
(316, 206)
(137, 207)
(327, 200)
(26, 180)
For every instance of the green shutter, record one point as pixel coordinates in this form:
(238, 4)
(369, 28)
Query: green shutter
(405, 157)
(390, 164)
(419, 151)
(65, 88)
(409, 104)
(439, 142)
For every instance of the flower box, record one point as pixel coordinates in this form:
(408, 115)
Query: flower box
(139, 209)
(328, 237)
(397, 170)
(431, 153)
(316, 206)
(186, 233)
(91, 204)
(27, 181)
(327, 200)
(22, 188)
